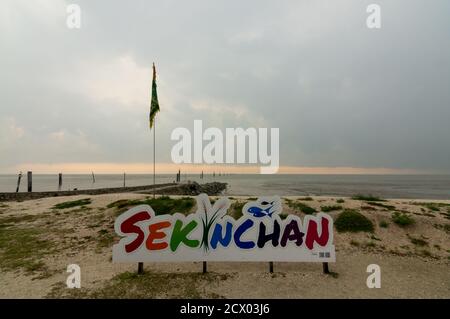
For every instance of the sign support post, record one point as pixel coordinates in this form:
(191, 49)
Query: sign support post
(326, 270)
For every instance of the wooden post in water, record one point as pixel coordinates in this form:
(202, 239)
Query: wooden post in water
(124, 177)
(59, 181)
(205, 267)
(93, 178)
(271, 267)
(140, 268)
(326, 270)
(30, 181)
(18, 182)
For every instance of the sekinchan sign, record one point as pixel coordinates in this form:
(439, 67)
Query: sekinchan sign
(209, 234)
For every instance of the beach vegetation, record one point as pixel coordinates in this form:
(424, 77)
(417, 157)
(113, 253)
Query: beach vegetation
(354, 243)
(417, 241)
(307, 198)
(304, 208)
(148, 285)
(369, 244)
(378, 204)
(236, 209)
(74, 203)
(368, 198)
(350, 220)
(340, 201)
(435, 207)
(330, 208)
(402, 219)
(161, 205)
(22, 248)
(384, 224)
(426, 253)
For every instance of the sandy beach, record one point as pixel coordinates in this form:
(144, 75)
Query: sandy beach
(39, 238)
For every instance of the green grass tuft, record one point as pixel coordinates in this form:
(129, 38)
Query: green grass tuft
(21, 248)
(305, 209)
(352, 221)
(236, 209)
(388, 207)
(75, 203)
(148, 285)
(418, 241)
(402, 219)
(330, 208)
(384, 224)
(161, 205)
(369, 198)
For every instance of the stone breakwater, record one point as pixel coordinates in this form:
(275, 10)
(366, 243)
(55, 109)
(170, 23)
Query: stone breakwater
(194, 188)
(190, 188)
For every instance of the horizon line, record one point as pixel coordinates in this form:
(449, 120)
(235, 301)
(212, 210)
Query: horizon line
(171, 168)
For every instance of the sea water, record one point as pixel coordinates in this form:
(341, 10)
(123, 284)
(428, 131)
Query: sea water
(388, 186)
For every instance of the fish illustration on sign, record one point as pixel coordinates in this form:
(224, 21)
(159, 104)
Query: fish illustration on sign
(264, 206)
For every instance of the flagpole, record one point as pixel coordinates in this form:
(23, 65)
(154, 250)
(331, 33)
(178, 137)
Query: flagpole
(154, 156)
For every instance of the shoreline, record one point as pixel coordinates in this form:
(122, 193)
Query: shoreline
(189, 188)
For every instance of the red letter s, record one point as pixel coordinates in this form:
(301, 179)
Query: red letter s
(129, 227)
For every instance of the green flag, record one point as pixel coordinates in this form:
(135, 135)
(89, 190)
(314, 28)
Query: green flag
(154, 105)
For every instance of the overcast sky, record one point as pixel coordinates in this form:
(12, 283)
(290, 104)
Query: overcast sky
(342, 95)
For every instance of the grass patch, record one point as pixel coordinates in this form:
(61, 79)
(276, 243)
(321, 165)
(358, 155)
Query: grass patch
(383, 224)
(433, 206)
(330, 208)
(355, 243)
(105, 238)
(340, 201)
(21, 248)
(351, 220)
(417, 241)
(130, 285)
(308, 198)
(305, 209)
(369, 244)
(74, 203)
(426, 253)
(367, 198)
(402, 219)
(236, 209)
(161, 205)
(378, 204)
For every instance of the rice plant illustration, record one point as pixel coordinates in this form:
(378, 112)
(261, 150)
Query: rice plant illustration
(210, 213)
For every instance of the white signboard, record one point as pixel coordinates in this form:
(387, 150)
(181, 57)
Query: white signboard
(209, 234)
